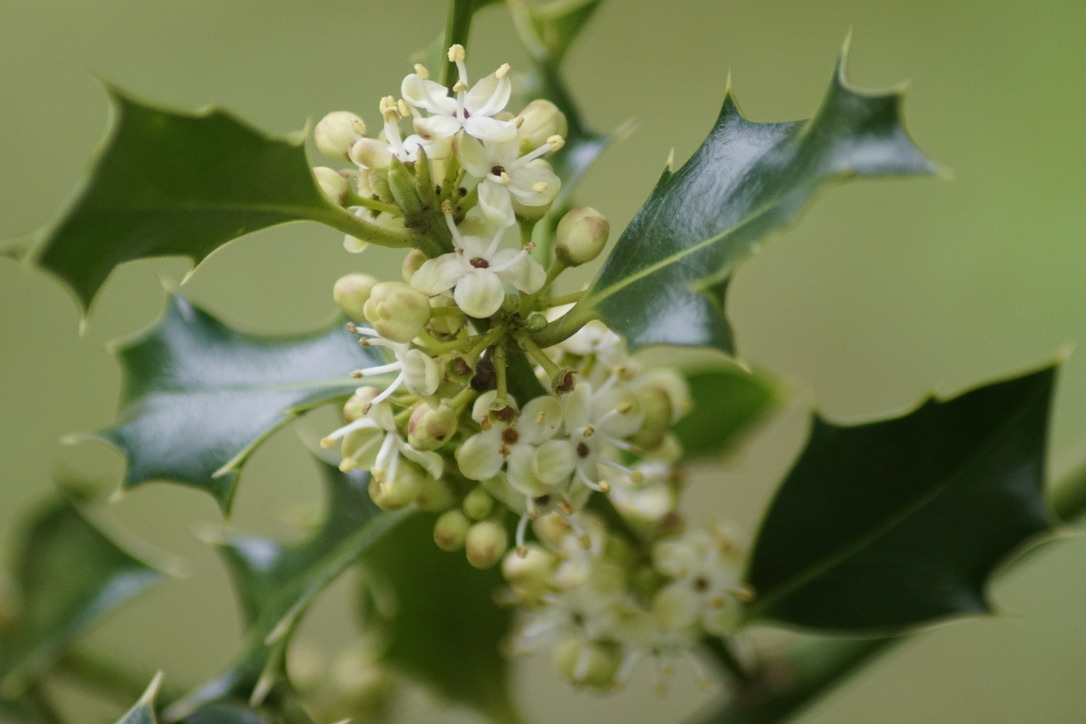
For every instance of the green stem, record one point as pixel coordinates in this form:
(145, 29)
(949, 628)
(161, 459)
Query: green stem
(779, 688)
(566, 325)
(354, 199)
(559, 301)
(343, 220)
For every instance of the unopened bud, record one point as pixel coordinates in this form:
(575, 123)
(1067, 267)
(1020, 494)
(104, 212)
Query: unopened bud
(351, 293)
(436, 495)
(478, 504)
(486, 543)
(446, 325)
(370, 153)
(401, 183)
(396, 311)
(451, 530)
(398, 492)
(581, 235)
(540, 120)
(588, 663)
(429, 428)
(536, 322)
(336, 132)
(529, 573)
(333, 184)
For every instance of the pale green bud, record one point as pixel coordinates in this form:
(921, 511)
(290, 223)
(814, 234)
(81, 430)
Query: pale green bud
(429, 428)
(486, 543)
(351, 293)
(336, 132)
(398, 492)
(581, 235)
(451, 530)
(529, 574)
(478, 504)
(536, 322)
(397, 311)
(405, 193)
(588, 663)
(333, 184)
(369, 153)
(540, 120)
(445, 325)
(361, 687)
(436, 495)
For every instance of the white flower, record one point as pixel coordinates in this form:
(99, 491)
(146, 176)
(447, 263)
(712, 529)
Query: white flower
(706, 590)
(477, 271)
(507, 176)
(597, 422)
(417, 370)
(472, 110)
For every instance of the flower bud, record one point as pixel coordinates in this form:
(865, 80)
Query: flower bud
(589, 663)
(536, 322)
(336, 132)
(451, 530)
(405, 193)
(540, 120)
(529, 574)
(436, 495)
(581, 235)
(333, 184)
(445, 326)
(397, 492)
(429, 428)
(478, 504)
(351, 293)
(397, 311)
(486, 543)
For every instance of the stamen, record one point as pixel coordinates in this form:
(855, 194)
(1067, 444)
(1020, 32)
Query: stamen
(502, 71)
(421, 72)
(522, 527)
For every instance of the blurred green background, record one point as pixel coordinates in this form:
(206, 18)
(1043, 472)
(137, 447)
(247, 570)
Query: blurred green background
(884, 292)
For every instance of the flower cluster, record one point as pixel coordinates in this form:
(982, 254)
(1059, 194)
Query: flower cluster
(515, 442)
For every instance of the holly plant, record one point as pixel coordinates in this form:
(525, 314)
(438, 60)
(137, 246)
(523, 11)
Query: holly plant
(508, 474)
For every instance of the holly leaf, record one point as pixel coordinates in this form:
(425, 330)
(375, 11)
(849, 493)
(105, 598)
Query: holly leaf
(665, 280)
(199, 397)
(728, 402)
(275, 584)
(169, 183)
(144, 710)
(444, 628)
(68, 573)
(902, 521)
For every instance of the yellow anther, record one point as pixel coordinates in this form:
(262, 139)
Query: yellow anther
(605, 486)
(357, 373)
(502, 71)
(460, 87)
(556, 142)
(623, 407)
(421, 72)
(539, 418)
(456, 53)
(585, 541)
(327, 442)
(589, 431)
(637, 477)
(540, 186)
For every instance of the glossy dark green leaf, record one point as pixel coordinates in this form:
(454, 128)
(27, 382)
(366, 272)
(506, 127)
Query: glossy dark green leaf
(664, 282)
(169, 184)
(199, 397)
(144, 710)
(728, 403)
(902, 521)
(275, 584)
(445, 629)
(68, 573)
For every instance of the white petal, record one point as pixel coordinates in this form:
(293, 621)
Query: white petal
(495, 203)
(479, 293)
(554, 462)
(520, 474)
(431, 461)
(438, 274)
(420, 371)
(490, 129)
(524, 273)
(540, 420)
(436, 127)
(478, 458)
(488, 96)
(473, 157)
(534, 185)
(427, 94)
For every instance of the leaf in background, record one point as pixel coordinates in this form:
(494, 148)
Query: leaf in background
(902, 521)
(664, 281)
(144, 710)
(446, 629)
(728, 402)
(170, 184)
(199, 397)
(275, 584)
(68, 573)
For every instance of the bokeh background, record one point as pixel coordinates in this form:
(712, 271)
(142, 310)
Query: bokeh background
(884, 291)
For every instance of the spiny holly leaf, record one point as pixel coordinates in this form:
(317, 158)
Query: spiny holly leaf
(728, 402)
(445, 628)
(199, 397)
(144, 710)
(902, 521)
(276, 583)
(68, 573)
(664, 282)
(169, 184)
